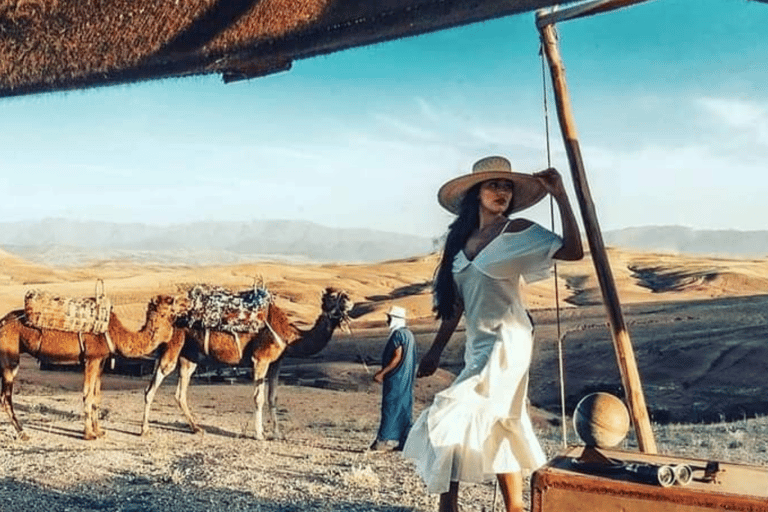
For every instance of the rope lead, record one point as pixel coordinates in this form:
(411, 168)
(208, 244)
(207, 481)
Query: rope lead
(552, 221)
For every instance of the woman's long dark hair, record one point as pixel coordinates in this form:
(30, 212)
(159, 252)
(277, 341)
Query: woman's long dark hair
(458, 234)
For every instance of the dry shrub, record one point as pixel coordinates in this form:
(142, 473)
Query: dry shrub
(362, 476)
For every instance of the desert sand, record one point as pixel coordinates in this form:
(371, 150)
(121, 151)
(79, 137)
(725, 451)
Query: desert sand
(697, 325)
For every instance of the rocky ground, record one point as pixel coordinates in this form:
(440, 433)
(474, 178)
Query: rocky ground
(322, 464)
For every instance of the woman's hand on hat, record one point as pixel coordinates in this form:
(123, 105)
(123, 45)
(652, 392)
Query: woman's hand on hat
(551, 180)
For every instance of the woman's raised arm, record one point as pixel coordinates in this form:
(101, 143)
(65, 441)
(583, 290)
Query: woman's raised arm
(572, 248)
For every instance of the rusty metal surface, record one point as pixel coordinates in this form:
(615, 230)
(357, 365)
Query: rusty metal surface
(557, 487)
(49, 45)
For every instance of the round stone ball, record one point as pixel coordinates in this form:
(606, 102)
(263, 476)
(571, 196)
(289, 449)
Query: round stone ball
(601, 420)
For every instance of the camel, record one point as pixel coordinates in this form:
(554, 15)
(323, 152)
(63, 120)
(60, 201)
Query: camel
(265, 348)
(16, 337)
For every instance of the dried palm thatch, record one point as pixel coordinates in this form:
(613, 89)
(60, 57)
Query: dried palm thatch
(49, 45)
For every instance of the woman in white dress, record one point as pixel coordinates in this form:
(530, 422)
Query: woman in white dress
(479, 426)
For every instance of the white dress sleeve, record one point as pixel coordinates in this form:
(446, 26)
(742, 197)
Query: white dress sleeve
(526, 253)
(537, 263)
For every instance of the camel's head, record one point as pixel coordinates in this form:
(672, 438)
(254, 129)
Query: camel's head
(181, 304)
(337, 305)
(162, 312)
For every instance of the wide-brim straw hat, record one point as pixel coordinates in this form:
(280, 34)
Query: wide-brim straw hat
(528, 189)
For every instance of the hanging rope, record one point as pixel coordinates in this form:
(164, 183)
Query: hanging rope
(557, 291)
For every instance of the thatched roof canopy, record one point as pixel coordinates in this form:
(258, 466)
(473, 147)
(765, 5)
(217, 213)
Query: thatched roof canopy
(50, 45)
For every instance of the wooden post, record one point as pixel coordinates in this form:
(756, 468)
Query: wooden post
(624, 353)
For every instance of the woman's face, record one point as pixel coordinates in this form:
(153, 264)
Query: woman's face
(496, 195)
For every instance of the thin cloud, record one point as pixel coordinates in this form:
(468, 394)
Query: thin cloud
(687, 184)
(744, 116)
(432, 124)
(410, 129)
(506, 135)
(428, 111)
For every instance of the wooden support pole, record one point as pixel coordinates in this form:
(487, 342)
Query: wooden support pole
(581, 10)
(624, 353)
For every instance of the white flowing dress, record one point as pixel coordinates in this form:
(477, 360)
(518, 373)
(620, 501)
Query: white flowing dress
(479, 426)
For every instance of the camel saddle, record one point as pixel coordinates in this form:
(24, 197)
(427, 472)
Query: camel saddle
(44, 310)
(219, 309)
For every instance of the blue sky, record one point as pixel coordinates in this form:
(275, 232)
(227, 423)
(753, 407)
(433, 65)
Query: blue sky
(670, 99)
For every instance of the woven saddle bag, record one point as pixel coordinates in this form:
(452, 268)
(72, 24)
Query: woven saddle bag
(74, 314)
(216, 308)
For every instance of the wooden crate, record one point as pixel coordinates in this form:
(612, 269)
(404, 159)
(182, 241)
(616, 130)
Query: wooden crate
(564, 486)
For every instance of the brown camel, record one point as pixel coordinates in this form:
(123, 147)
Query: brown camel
(265, 349)
(91, 349)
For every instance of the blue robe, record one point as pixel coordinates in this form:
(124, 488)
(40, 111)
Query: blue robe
(397, 393)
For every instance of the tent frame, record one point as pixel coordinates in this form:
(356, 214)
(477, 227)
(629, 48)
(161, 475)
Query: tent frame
(625, 356)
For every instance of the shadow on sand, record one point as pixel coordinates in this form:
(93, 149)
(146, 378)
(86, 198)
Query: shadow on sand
(134, 493)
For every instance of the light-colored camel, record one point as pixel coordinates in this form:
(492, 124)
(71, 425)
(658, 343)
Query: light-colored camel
(265, 349)
(91, 349)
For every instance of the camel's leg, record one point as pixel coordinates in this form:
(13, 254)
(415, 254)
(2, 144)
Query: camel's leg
(10, 345)
(259, 373)
(272, 375)
(164, 368)
(91, 392)
(186, 369)
(149, 396)
(97, 399)
(88, 400)
(9, 374)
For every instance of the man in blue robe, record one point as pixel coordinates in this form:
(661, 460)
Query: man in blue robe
(398, 369)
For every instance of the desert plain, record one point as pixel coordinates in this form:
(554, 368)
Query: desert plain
(698, 326)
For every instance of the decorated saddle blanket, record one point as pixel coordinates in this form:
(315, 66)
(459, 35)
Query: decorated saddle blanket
(219, 309)
(85, 314)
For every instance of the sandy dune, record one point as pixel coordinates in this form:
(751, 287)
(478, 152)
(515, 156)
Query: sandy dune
(640, 277)
(697, 324)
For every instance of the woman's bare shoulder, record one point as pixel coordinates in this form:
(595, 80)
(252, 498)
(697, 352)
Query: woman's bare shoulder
(517, 225)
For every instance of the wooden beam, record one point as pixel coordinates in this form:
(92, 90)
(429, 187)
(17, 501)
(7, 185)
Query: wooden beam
(579, 11)
(624, 353)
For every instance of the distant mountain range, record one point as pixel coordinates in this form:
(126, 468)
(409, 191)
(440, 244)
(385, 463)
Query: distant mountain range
(61, 241)
(68, 242)
(682, 240)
